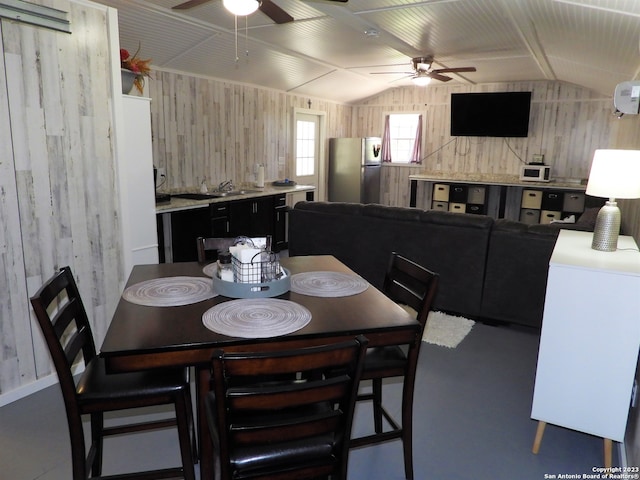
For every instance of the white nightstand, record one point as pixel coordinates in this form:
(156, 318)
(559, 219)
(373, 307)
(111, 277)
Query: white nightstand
(590, 339)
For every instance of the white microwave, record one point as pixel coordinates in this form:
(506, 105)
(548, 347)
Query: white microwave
(535, 173)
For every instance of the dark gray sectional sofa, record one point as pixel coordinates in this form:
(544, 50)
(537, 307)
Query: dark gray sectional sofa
(489, 269)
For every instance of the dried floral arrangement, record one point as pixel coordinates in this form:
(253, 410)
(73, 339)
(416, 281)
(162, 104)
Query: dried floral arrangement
(137, 65)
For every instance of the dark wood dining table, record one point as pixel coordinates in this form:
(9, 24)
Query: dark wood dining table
(142, 337)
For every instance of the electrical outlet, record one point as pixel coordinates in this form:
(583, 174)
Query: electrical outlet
(161, 177)
(634, 394)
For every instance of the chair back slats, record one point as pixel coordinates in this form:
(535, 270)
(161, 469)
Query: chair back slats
(209, 244)
(288, 395)
(411, 284)
(279, 400)
(64, 322)
(298, 428)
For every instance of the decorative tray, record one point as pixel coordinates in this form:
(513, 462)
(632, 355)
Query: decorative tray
(272, 288)
(283, 183)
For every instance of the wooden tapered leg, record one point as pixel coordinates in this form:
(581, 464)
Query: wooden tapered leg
(538, 439)
(608, 447)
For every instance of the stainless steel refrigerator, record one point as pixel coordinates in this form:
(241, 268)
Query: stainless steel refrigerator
(354, 169)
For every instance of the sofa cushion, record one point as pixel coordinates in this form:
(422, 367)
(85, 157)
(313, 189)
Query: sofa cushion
(516, 272)
(453, 245)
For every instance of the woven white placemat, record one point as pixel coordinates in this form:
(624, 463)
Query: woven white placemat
(328, 284)
(211, 269)
(256, 317)
(170, 291)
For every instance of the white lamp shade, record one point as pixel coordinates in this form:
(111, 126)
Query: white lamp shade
(615, 174)
(241, 7)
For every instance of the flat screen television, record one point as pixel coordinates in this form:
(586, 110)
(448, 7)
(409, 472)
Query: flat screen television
(495, 114)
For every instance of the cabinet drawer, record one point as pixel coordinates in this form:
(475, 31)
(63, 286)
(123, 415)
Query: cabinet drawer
(280, 201)
(546, 216)
(441, 192)
(219, 210)
(530, 216)
(573, 202)
(458, 193)
(552, 201)
(441, 206)
(532, 199)
(458, 207)
(476, 195)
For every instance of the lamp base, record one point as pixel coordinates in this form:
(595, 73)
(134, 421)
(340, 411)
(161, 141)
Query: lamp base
(607, 229)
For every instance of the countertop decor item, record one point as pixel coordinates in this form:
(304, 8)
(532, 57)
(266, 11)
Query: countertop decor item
(134, 64)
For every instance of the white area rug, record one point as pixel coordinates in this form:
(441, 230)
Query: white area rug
(446, 330)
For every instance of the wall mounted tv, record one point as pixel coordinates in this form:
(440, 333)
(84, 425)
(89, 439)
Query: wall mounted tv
(495, 114)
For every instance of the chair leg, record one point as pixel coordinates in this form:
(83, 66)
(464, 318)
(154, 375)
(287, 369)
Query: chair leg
(407, 428)
(185, 436)
(376, 386)
(97, 426)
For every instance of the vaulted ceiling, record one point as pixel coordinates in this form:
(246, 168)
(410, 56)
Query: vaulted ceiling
(336, 51)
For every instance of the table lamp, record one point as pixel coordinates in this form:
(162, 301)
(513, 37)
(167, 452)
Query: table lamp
(614, 174)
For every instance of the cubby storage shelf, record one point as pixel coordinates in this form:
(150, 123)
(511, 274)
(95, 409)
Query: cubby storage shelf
(500, 196)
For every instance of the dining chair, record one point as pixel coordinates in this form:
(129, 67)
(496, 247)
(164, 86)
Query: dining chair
(410, 284)
(209, 244)
(284, 414)
(64, 322)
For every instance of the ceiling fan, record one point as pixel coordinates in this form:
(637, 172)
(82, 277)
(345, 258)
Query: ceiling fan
(423, 73)
(270, 9)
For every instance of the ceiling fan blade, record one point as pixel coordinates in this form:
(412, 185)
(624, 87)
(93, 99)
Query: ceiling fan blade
(274, 12)
(391, 73)
(454, 70)
(189, 4)
(437, 76)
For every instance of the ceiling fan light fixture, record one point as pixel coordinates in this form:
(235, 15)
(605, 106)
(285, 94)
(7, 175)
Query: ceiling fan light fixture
(421, 79)
(241, 8)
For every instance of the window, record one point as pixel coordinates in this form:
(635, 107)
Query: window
(305, 148)
(405, 137)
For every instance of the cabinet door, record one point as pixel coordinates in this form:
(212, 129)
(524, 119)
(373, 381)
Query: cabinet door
(186, 226)
(280, 223)
(220, 219)
(252, 218)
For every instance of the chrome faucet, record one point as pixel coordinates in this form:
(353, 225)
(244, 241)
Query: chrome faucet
(226, 186)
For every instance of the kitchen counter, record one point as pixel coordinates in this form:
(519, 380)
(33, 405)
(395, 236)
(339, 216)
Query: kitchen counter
(180, 204)
(497, 179)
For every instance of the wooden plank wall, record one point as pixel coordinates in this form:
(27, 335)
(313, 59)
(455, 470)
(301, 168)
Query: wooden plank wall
(567, 123)
(58, 195)
(207, 128)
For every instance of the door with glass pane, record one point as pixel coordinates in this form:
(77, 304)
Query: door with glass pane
(308, 164)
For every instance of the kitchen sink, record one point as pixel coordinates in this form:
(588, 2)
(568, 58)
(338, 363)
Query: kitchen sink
(209, 195)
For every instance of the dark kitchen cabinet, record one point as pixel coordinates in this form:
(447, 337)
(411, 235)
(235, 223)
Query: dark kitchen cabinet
(220, 220)
(252, 218)
(186, 226)
(280, 223)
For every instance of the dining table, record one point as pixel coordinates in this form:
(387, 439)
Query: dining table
(329, 303)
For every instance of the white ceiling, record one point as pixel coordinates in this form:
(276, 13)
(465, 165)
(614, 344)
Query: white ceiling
(325, 52)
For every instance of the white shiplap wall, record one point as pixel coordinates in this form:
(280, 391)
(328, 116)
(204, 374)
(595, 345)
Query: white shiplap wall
(58, 194)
